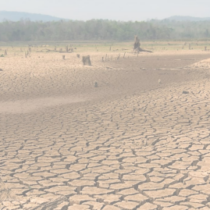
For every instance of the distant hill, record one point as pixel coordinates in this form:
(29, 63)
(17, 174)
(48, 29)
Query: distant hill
(16, 16)
(187, 18)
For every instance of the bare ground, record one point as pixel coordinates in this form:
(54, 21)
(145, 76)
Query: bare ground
(130, 143)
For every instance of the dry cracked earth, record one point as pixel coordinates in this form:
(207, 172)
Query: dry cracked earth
(142, 151)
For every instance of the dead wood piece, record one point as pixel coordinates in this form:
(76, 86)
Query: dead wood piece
(86, 60)
(136, 46)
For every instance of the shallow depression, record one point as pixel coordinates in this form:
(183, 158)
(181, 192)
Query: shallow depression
(25, 106)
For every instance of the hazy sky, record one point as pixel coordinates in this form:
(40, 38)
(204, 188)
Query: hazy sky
(110, 9)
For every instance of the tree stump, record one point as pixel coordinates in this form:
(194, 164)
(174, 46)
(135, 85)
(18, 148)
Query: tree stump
(136, 46)
(86, 60)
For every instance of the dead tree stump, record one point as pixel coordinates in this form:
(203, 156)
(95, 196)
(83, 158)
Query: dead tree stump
(86, 60)
(27, 54)
(136, 46)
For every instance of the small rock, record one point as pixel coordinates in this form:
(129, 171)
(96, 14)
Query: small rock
(96, 84)
(1, 69)
(185, 92)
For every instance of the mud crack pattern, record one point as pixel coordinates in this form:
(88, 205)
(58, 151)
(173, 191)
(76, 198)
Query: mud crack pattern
(147, 151)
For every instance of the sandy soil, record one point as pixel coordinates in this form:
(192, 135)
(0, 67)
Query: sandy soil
(134, 142)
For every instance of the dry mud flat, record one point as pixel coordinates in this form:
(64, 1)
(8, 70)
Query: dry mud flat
(141, 150)
(47, 75)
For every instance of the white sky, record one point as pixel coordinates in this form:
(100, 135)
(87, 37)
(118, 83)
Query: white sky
(110, 9)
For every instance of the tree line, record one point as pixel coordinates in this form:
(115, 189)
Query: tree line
(26, 30)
